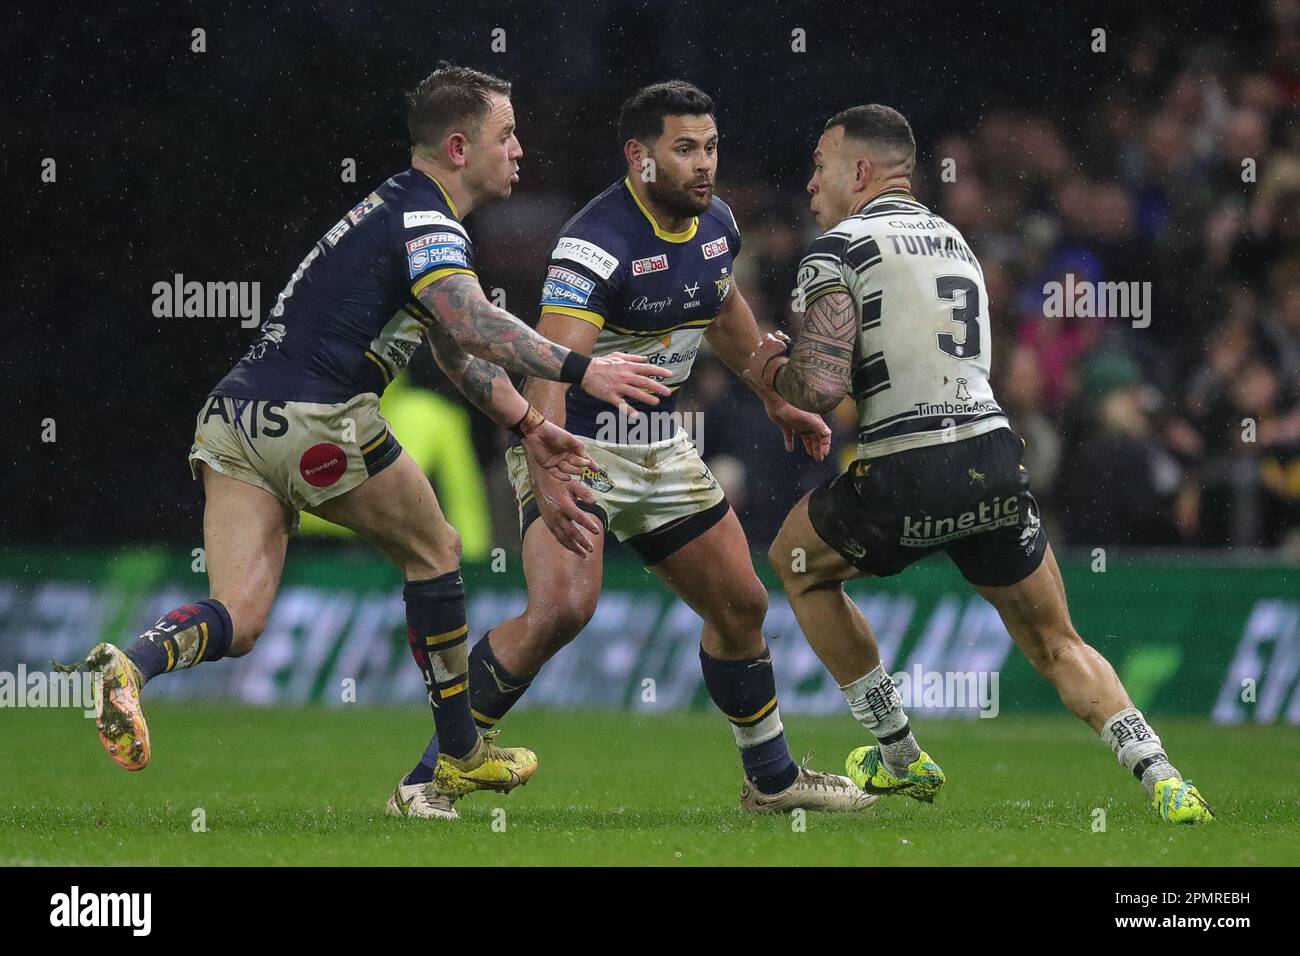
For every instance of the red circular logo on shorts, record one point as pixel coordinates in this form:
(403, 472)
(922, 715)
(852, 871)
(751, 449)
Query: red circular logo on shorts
(323, 464)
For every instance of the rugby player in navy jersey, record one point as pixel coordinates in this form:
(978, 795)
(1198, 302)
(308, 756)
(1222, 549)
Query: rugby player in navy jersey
(647, 267)
(296, 426)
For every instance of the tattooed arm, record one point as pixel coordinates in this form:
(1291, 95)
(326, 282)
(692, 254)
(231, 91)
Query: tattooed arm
(483, 330)
(734, 335)
(487, 386)
(495, 336)
(555, 451)
(816, 376)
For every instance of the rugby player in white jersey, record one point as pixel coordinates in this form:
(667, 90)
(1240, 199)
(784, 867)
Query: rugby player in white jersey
(897, 316)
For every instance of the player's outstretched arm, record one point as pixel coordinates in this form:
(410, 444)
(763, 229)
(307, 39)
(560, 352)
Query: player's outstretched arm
(489, 388)
(493, 334)
(559, 504)
(734, 336)
(815, 375)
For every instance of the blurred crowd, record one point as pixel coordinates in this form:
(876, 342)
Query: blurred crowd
(1181, 428)
(1171, 158)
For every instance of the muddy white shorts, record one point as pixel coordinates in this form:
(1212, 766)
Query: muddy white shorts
(304, 453)
(656, 498)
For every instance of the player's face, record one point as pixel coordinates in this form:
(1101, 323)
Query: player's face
(831, 181)
(493, 159)
(685, 164)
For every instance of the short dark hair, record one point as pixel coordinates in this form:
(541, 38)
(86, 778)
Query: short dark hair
(878, 125)
(642, 115)
(448, 96)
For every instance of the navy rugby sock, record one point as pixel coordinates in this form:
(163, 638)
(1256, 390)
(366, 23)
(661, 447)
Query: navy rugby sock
(189, 635)
(745, 691)
(493, 690)
(438, 635)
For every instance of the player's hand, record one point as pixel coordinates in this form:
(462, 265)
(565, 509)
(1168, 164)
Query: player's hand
(556, 452)
(811, 428)
(618, 377)
(769, 347)
(558, 504)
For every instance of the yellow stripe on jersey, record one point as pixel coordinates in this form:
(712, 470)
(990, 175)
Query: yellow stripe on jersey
(427, 280)
(383, 369)
(445, 195)
(595, 318)
(684, 236)
(693, 324)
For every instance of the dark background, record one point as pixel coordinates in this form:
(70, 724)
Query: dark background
(225, 165)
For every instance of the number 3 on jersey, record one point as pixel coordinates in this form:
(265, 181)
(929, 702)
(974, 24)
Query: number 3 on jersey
(965, 297)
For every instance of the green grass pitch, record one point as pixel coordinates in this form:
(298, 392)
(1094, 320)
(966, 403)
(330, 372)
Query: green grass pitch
(308, 787)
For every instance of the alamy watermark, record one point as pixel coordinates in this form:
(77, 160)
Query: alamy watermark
(208, 300)
(25, 688)
(649, 428)
(1085, 299)
(949, 690)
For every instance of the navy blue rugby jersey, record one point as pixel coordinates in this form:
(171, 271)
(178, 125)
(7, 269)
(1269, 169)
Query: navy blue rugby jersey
(349, 321)
(650, 292)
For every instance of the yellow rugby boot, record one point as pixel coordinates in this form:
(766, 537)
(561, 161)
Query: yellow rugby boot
(487, 767)
(866, 768)
(1177, 801)
(118, 716)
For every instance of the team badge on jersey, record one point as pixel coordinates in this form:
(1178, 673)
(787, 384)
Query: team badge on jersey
(364, 208)
(598, 480)
(724, 287)
(565, 287)
(435, 249)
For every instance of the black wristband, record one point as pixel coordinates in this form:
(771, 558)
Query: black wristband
(574, 368)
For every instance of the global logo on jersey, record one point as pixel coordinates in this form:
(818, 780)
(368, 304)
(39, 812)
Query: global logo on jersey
(657, 263)
(365, 208)
(565, 287)
(718, 247)
(435, 248)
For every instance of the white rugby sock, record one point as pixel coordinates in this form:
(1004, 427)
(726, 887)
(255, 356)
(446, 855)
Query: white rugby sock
(1137, 747)
(877, 705)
